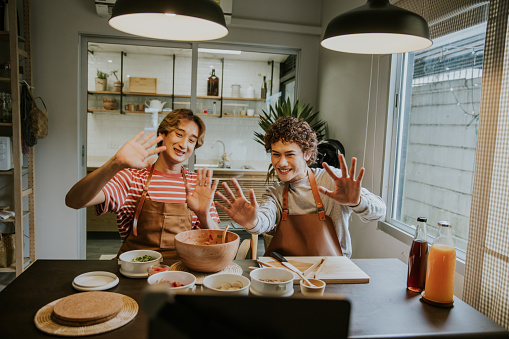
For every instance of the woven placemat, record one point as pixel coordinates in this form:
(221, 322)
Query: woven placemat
(232, 268)
(44, 322)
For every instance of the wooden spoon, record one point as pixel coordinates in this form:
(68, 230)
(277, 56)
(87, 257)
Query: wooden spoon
(224, 233)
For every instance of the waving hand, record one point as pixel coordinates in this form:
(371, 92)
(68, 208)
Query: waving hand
(348, 188)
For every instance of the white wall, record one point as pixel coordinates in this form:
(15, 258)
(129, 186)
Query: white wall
(344, 89)
(56, 28)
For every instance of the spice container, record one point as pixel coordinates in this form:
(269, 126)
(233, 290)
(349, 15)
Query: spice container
(441, 267)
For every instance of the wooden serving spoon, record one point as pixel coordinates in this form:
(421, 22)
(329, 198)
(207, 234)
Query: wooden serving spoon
(224, 233)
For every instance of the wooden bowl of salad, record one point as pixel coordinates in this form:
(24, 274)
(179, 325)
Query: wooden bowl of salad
(135, 264)
(204, 250)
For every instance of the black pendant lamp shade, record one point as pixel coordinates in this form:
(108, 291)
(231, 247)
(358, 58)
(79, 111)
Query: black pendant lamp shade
(377, 28)
(183, 20)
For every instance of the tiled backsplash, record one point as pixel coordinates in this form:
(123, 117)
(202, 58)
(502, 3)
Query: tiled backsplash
(107, 132)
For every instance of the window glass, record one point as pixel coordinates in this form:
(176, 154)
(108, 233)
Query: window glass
(438, 114)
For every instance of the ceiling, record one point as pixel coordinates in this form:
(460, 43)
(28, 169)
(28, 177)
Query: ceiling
(133, 49)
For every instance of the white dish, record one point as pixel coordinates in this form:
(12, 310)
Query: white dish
(211, 282)
(166, 278)
(137, 267)
(272, 281)
(133, 275)
(287, 294)
(95, 281)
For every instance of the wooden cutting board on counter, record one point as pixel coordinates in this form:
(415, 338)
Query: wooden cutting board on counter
(335, 270)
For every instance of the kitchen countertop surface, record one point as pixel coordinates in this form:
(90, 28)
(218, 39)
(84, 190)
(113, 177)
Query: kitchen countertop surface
(382, 308)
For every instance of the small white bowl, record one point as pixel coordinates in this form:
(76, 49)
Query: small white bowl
(134, 269)
(282, 284)
(312, 291)
(168, 277)
(213, 282)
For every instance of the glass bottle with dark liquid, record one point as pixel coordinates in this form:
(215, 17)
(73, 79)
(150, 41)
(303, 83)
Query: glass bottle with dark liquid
(418, 257)
(213, 84)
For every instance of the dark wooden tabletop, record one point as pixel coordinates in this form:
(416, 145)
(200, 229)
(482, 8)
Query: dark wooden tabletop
(382, 308)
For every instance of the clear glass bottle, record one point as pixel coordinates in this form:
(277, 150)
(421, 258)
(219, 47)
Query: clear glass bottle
(417, 257)
(441, 267)
(213, 84)
(214, 108)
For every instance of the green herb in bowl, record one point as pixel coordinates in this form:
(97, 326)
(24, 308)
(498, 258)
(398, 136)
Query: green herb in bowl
(145, 258)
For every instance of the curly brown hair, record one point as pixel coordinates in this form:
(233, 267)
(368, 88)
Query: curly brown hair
(171, 122)
(290, 129)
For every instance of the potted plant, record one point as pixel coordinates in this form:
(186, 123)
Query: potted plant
(100, 81)
(285, 109)
(117, 85)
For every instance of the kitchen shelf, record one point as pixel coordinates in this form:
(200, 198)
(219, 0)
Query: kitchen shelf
(104, 92)
(13, 219)
(5, 123)
(22, 178)
(26, 262)
(11, 172)
(103, 111)
(227, 116)
(4, 35)
(148, 94)
(244, 99)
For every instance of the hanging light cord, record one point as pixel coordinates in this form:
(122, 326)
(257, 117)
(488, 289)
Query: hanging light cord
(367, 112)
(374, 127)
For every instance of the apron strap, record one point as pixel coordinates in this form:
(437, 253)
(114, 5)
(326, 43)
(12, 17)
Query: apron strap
(139, 206)
(316, 196)
(318, 200)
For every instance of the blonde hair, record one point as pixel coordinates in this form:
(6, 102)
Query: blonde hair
(172, 120)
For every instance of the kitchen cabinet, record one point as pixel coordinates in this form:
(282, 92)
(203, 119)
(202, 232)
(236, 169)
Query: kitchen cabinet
(22, 177)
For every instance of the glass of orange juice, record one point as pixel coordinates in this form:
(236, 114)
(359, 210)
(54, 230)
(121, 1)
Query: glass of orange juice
(441, 267)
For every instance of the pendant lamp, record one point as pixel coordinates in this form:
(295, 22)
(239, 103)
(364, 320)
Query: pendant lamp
(183, 20)
(377, 28)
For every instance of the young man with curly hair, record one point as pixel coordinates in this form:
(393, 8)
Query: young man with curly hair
(306, 223)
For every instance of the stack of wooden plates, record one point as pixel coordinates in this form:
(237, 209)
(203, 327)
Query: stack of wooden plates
(86, 309)
(86, 313)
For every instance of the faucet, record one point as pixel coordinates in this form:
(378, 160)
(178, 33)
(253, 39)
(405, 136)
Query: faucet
(225, 158)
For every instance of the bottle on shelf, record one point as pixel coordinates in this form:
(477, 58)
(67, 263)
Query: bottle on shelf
(214, 108)
(417, 257)
(441, 268)
(263, 91)
(213, 84)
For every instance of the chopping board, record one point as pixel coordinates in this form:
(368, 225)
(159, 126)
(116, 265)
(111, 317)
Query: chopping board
(335, 270)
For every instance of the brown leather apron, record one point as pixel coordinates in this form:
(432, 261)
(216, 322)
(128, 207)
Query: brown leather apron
(159, 223)
(305, 234)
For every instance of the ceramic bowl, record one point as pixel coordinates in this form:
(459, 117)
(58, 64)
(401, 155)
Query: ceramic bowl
(272, 281)
(213, 284)
(185, 281)
(109, 103)
(312, 291)
(138, 268)
(203, 250)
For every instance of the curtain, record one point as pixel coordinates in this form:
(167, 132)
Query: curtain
(486, 285)
(445, 17)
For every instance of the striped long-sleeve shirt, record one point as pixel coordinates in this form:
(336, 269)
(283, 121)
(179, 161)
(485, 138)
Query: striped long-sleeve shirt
(123, 191)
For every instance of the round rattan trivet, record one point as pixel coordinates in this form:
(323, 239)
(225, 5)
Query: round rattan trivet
(45, 323)
(232, 268)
